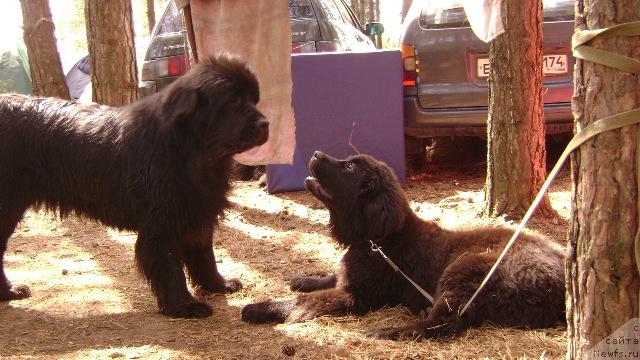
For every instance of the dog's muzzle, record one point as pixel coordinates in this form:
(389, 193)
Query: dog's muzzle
(262, 131)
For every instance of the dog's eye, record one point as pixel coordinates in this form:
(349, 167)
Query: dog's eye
(350, 167)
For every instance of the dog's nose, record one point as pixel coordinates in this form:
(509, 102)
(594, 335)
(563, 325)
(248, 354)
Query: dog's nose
(263, 124)
(318, 155)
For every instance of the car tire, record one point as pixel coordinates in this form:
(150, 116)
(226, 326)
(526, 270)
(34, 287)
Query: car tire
(416, 153)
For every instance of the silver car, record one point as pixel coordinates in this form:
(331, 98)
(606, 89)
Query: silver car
(316, 26)
(446, 68)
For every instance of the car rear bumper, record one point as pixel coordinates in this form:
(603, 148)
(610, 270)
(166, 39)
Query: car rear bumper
(146, 88)
(153, 86)
(421, 123)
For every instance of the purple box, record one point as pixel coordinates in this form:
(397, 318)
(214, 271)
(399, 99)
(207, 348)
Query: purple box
(331, 92)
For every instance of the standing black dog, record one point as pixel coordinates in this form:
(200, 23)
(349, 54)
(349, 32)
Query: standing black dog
(366, 203)
(159, 167)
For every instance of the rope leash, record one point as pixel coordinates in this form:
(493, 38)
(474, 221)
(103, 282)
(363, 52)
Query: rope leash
(617, 121)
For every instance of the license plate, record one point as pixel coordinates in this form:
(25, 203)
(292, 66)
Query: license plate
(551, 64)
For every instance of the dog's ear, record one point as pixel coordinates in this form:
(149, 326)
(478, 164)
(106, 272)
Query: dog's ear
(370, 184)
(382, 209)
(178, 103)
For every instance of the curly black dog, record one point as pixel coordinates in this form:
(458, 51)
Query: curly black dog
(159, 167)
(366, 202)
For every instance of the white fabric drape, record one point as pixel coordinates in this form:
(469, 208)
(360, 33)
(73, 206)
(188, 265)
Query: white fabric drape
(260, 33)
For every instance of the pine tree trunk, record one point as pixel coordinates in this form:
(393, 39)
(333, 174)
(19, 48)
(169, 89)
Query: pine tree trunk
(516, 149)
(366, 10)
(111, 49)
(374, 11)
(602, 275)
(44, 60)
(358, 7)
(151, 15)
(406, 4)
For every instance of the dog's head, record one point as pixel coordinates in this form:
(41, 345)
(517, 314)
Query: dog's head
(363, 195)
(214, 104)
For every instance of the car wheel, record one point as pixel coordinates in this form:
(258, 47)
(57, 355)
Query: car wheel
(416, 153)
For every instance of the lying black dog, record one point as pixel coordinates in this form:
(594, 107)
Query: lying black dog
(366, 203)
(159, 166)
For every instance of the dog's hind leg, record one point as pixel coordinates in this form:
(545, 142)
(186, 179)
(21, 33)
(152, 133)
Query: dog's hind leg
(160, 261)
(9, 219)
(200, 262)
(313, 283)
(457, 283)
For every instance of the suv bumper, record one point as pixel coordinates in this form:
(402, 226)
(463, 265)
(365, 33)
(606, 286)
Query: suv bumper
(146, 88)
(422, 123)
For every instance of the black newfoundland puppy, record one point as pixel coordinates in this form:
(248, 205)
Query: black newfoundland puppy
(159, 167)
(366, 202)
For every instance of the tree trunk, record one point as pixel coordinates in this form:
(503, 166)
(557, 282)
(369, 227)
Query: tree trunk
(515, 128)
(602, 275)
(366, 10)
(151, 15)
(358, 8)
(111, 48)
(44, 60)
(406, 4)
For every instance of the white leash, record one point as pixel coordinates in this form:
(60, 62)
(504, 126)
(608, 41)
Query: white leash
(376, 248)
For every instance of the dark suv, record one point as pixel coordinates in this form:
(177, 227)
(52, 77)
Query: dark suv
(446, 68)
(316, 26)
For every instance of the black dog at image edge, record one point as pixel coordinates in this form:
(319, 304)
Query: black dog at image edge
(366, 203)
(159, 167)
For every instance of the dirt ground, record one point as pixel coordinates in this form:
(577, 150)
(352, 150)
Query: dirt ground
(89, 302)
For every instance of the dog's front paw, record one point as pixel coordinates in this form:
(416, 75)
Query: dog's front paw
(232, 285)
(394, 333)
(15, 292)
(267, 312)
(312, 283)
(193, 309)
(300, 314)
(221, 286)
(302, 283)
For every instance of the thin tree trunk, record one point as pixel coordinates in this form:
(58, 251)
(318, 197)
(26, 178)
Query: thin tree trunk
(406, 4)
(358, 8)
(602, 275)
(111, 48)
(515, 149)
(151, 15)
(44, 60)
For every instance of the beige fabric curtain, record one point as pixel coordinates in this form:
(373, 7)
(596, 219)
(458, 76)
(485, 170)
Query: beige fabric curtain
(259, 32)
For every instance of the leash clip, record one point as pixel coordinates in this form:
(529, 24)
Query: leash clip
(376, 248)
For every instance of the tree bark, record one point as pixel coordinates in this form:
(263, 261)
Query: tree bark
(602, 274)
(515, 148)
(110, 39)
(366, 10)
(358, 8)
(151, 15)
(44, 60)
(406, 4)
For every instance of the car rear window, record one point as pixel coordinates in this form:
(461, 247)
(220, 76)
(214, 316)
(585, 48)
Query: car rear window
(558, 10)
(445, 14)
(301, 9)
(171, 21)
(437, 16)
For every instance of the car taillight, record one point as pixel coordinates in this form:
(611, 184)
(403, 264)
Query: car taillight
(303, 47)
(409, 65)
(172, 66)
(328, 46)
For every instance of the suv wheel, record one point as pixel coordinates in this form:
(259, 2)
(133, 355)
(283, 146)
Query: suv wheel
(416, 152)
